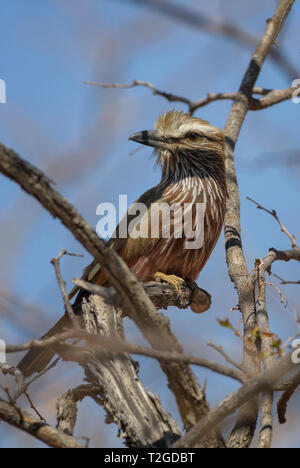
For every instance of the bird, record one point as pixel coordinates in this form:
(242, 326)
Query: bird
(190, 153)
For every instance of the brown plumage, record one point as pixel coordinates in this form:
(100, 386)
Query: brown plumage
(191, 154)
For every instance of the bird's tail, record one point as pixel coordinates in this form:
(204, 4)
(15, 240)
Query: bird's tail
(38, 358)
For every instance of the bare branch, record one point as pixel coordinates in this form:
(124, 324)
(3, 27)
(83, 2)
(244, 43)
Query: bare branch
(163, 295)
(170, 97)
(42, 343)
(266, 342)
(223, 29)
(139, 416)
(243, 432)
(253, 387)
(135, 302)
(270, 96)
(280, 255)
(21, 386)
(117, 346)
(67, 406)
(41, 431)
(274, 96)
(275, 216)
(289, 391)
(283, 298)
(284, 282)
(62, 285)
(33, 407)
(227, 358)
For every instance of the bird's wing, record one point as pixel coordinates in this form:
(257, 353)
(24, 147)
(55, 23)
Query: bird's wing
(127, 247)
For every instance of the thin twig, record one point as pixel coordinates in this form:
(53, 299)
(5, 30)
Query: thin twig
(14, 416)
(283, 298)
(270, 96)
(56, 263)
(284, 282)
(12, 401)
(275, 216)
(114, 345)
(41, 343)
(227, 358)
(34, 407)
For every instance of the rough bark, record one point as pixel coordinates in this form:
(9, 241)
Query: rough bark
(141, 420)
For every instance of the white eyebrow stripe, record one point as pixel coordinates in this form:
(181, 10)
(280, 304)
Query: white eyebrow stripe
(194, 126)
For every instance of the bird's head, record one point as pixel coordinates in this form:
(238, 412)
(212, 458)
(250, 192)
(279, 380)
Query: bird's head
(184, 143)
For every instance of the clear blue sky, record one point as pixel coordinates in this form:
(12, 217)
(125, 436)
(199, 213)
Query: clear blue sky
(79, 136)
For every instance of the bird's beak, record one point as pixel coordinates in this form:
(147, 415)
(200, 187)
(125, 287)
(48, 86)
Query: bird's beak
(149, 138)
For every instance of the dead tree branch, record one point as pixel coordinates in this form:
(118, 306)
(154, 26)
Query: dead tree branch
(284, 282)
(38, 429)
(135, 302)
(223, 29)
(275, 216)
(243, 432)
(162, 294)
(62, 286)
(115, 345)
(289, 391)
(266, 341)
(246, 393)
(270, 96)
(140, 418)
(66, 406)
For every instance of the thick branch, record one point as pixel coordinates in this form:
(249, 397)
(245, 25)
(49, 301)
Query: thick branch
(264, 382)
(141, 420)
(163, 295)
(47, 434)
(266, 337)
(135, 302)
(66, 406)
(246, 423)
(266, 341)
(289, 391)
(280, 255)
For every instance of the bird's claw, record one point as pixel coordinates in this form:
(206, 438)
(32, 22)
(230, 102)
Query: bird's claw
(174, 280)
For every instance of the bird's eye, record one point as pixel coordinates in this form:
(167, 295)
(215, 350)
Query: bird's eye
(193, 136)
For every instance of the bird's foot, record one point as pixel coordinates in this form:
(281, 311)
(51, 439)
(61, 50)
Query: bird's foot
(176, 281)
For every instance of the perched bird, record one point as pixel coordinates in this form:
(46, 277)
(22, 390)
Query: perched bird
(190, 152)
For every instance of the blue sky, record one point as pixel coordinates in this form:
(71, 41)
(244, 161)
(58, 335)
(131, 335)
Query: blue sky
(79, 134)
